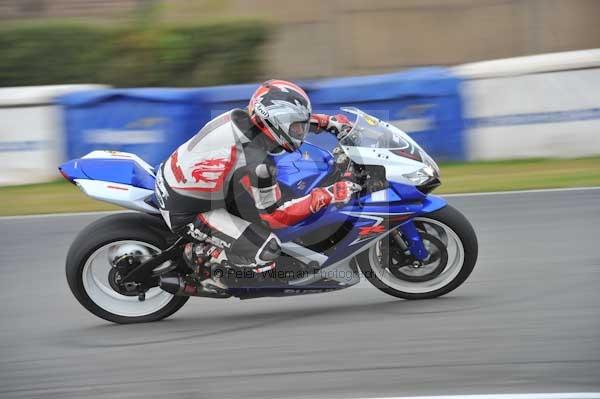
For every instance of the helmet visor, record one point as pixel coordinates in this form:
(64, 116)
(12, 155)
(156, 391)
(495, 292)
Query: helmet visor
(299, 130)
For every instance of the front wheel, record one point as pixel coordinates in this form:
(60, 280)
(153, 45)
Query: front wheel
(93, 280)
(452, 244)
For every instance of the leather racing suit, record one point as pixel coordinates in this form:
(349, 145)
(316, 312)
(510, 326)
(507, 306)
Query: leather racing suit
(201, 180)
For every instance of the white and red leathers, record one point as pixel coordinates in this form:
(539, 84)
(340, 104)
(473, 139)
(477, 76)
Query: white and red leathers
(198, 184)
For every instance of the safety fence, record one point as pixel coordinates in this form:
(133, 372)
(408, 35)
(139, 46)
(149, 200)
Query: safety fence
(536, 106)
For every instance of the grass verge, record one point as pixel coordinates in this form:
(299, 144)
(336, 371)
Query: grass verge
(60, 196)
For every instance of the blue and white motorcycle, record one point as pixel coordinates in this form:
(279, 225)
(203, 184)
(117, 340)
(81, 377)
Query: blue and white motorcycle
(128, 267)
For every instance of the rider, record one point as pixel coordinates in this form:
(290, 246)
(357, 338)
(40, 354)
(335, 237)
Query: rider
(198, 182)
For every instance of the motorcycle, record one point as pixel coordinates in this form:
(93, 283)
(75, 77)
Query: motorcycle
(129, 267)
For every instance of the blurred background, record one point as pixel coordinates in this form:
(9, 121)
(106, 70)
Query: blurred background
(506, 93)
(296, 39)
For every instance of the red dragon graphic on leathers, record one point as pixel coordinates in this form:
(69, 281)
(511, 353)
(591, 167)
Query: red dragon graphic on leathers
(214, 171)
(210, 170)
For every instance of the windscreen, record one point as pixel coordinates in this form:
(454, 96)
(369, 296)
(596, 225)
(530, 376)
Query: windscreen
(370, 132)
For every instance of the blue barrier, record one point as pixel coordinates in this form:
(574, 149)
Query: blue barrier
(153, 122)
(219, 99)
(424, 102)
(148, 122)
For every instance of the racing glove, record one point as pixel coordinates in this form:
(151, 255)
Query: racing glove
(296, 210)
(338, 193)
(333, 124)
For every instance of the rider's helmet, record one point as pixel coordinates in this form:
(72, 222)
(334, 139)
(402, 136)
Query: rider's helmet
(281, 110)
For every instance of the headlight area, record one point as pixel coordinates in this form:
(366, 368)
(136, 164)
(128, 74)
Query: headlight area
(427, 160)
(421, 176)
(425, 179)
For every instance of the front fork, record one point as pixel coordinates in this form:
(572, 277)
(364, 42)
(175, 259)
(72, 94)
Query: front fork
(413, 240)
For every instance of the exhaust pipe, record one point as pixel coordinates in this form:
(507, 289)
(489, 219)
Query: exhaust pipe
(176, 285)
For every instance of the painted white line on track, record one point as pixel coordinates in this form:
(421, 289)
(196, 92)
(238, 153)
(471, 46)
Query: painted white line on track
(490, 193)
(541, 190)
(53, 215)
(576, 395)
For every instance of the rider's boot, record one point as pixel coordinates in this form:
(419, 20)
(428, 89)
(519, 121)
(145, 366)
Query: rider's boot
(213, 269)
(202, 257)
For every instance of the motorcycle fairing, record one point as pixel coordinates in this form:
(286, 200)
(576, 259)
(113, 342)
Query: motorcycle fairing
(301, 171)
(337, 271)
(119, 178)
(111, 166)
(370, 218)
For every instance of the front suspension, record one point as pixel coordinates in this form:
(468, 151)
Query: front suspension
(415, 244)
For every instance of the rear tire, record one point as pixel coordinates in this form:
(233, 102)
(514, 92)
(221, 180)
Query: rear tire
(458, 232)
(100, 299)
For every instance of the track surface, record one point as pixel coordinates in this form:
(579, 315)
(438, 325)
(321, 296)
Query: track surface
(528, 320)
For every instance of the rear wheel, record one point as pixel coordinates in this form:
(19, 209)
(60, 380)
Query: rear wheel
(95, 282)
(452, 245)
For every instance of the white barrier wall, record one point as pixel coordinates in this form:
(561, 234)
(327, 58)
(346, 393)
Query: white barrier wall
(539, 106)
(31, 132)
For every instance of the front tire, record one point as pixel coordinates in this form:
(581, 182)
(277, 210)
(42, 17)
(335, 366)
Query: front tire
(449, 228)
(89, 272)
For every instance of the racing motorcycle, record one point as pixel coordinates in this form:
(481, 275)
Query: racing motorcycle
(129, 267)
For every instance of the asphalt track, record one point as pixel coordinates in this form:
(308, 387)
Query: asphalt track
(528, 320)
